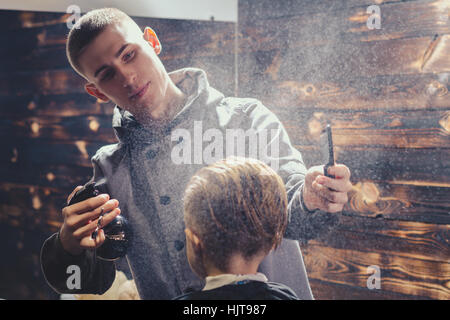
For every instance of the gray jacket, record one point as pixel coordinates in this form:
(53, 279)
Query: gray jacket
(148, 173)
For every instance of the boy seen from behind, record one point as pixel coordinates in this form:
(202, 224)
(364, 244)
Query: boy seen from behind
(235, 212)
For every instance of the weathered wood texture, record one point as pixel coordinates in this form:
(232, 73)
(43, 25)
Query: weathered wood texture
(385, 93)
(50, 127)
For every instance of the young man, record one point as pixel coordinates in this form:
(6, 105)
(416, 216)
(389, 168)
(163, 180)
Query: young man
(120, 63)
(235, 212)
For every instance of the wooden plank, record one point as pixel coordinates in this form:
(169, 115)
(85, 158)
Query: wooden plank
(385, 138)
(62, 105)
(42, 83)
(13, 20)
(52, 176)
(400, 201)
(390, 129)
(38, 151)
(27, 205)
(424, 241)
(386, 164)
(356, 94)
(250, 10)
(323, 290)
(344, 61)
(401, 138)
(398, 274)
(398, 20)
(90, 128)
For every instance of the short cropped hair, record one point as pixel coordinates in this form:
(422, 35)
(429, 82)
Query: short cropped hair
(236, 205)
(86, 29)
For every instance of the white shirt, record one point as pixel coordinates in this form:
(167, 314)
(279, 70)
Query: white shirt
(213, 282)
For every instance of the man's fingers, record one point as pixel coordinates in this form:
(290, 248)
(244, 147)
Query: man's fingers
(87, 205)
(330, 195)
(312, 173)
(82, 219)
(339, 185)
(89, 243)
(340, 171)
(89, 228)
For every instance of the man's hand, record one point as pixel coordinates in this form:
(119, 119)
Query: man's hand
(80, 221)
(324, 193)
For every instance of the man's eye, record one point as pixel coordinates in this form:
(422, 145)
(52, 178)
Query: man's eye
(128, 56)
(107, 75)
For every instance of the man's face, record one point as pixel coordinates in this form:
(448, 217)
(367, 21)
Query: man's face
(124, 67)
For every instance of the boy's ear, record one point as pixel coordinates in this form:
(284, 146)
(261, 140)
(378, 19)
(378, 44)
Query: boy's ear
(93, 91)
(192, 238)
(151, 37)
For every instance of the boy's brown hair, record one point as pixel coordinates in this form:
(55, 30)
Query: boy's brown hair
(236, 205)
(87, 28)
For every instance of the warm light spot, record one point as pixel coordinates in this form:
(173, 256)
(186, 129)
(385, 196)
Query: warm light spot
(35, 128)
(314, 128)
(274, 67)
(309, 90)
(36, 202)
(54, 82)
(15, 155)
(50, 176)
(365, 197)
(369, 192)
(94, 125)
(47, 192)
(421, 183)
(32, 105)
(436, 88)
(81, 145)
(360, 17)
(41, 37)
(26, 18)
(445, 122)
(443, 11)
(318, 115)
(395, 123)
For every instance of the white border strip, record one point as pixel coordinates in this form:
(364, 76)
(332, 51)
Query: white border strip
(218, 10)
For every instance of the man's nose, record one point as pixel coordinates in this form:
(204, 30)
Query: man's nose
(128, 77)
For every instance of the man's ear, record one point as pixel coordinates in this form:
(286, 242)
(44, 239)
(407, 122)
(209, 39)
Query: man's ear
(151, 37)
(93, 91)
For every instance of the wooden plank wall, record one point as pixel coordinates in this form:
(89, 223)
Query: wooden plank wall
(385, 93)
(49, 127)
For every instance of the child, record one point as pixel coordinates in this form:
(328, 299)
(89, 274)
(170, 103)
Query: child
(235, 212)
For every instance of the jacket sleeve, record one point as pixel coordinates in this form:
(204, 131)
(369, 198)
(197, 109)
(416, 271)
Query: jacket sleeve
(80, 274)
(288, 162)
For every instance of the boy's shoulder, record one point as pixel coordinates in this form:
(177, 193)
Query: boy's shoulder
(247, 290)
